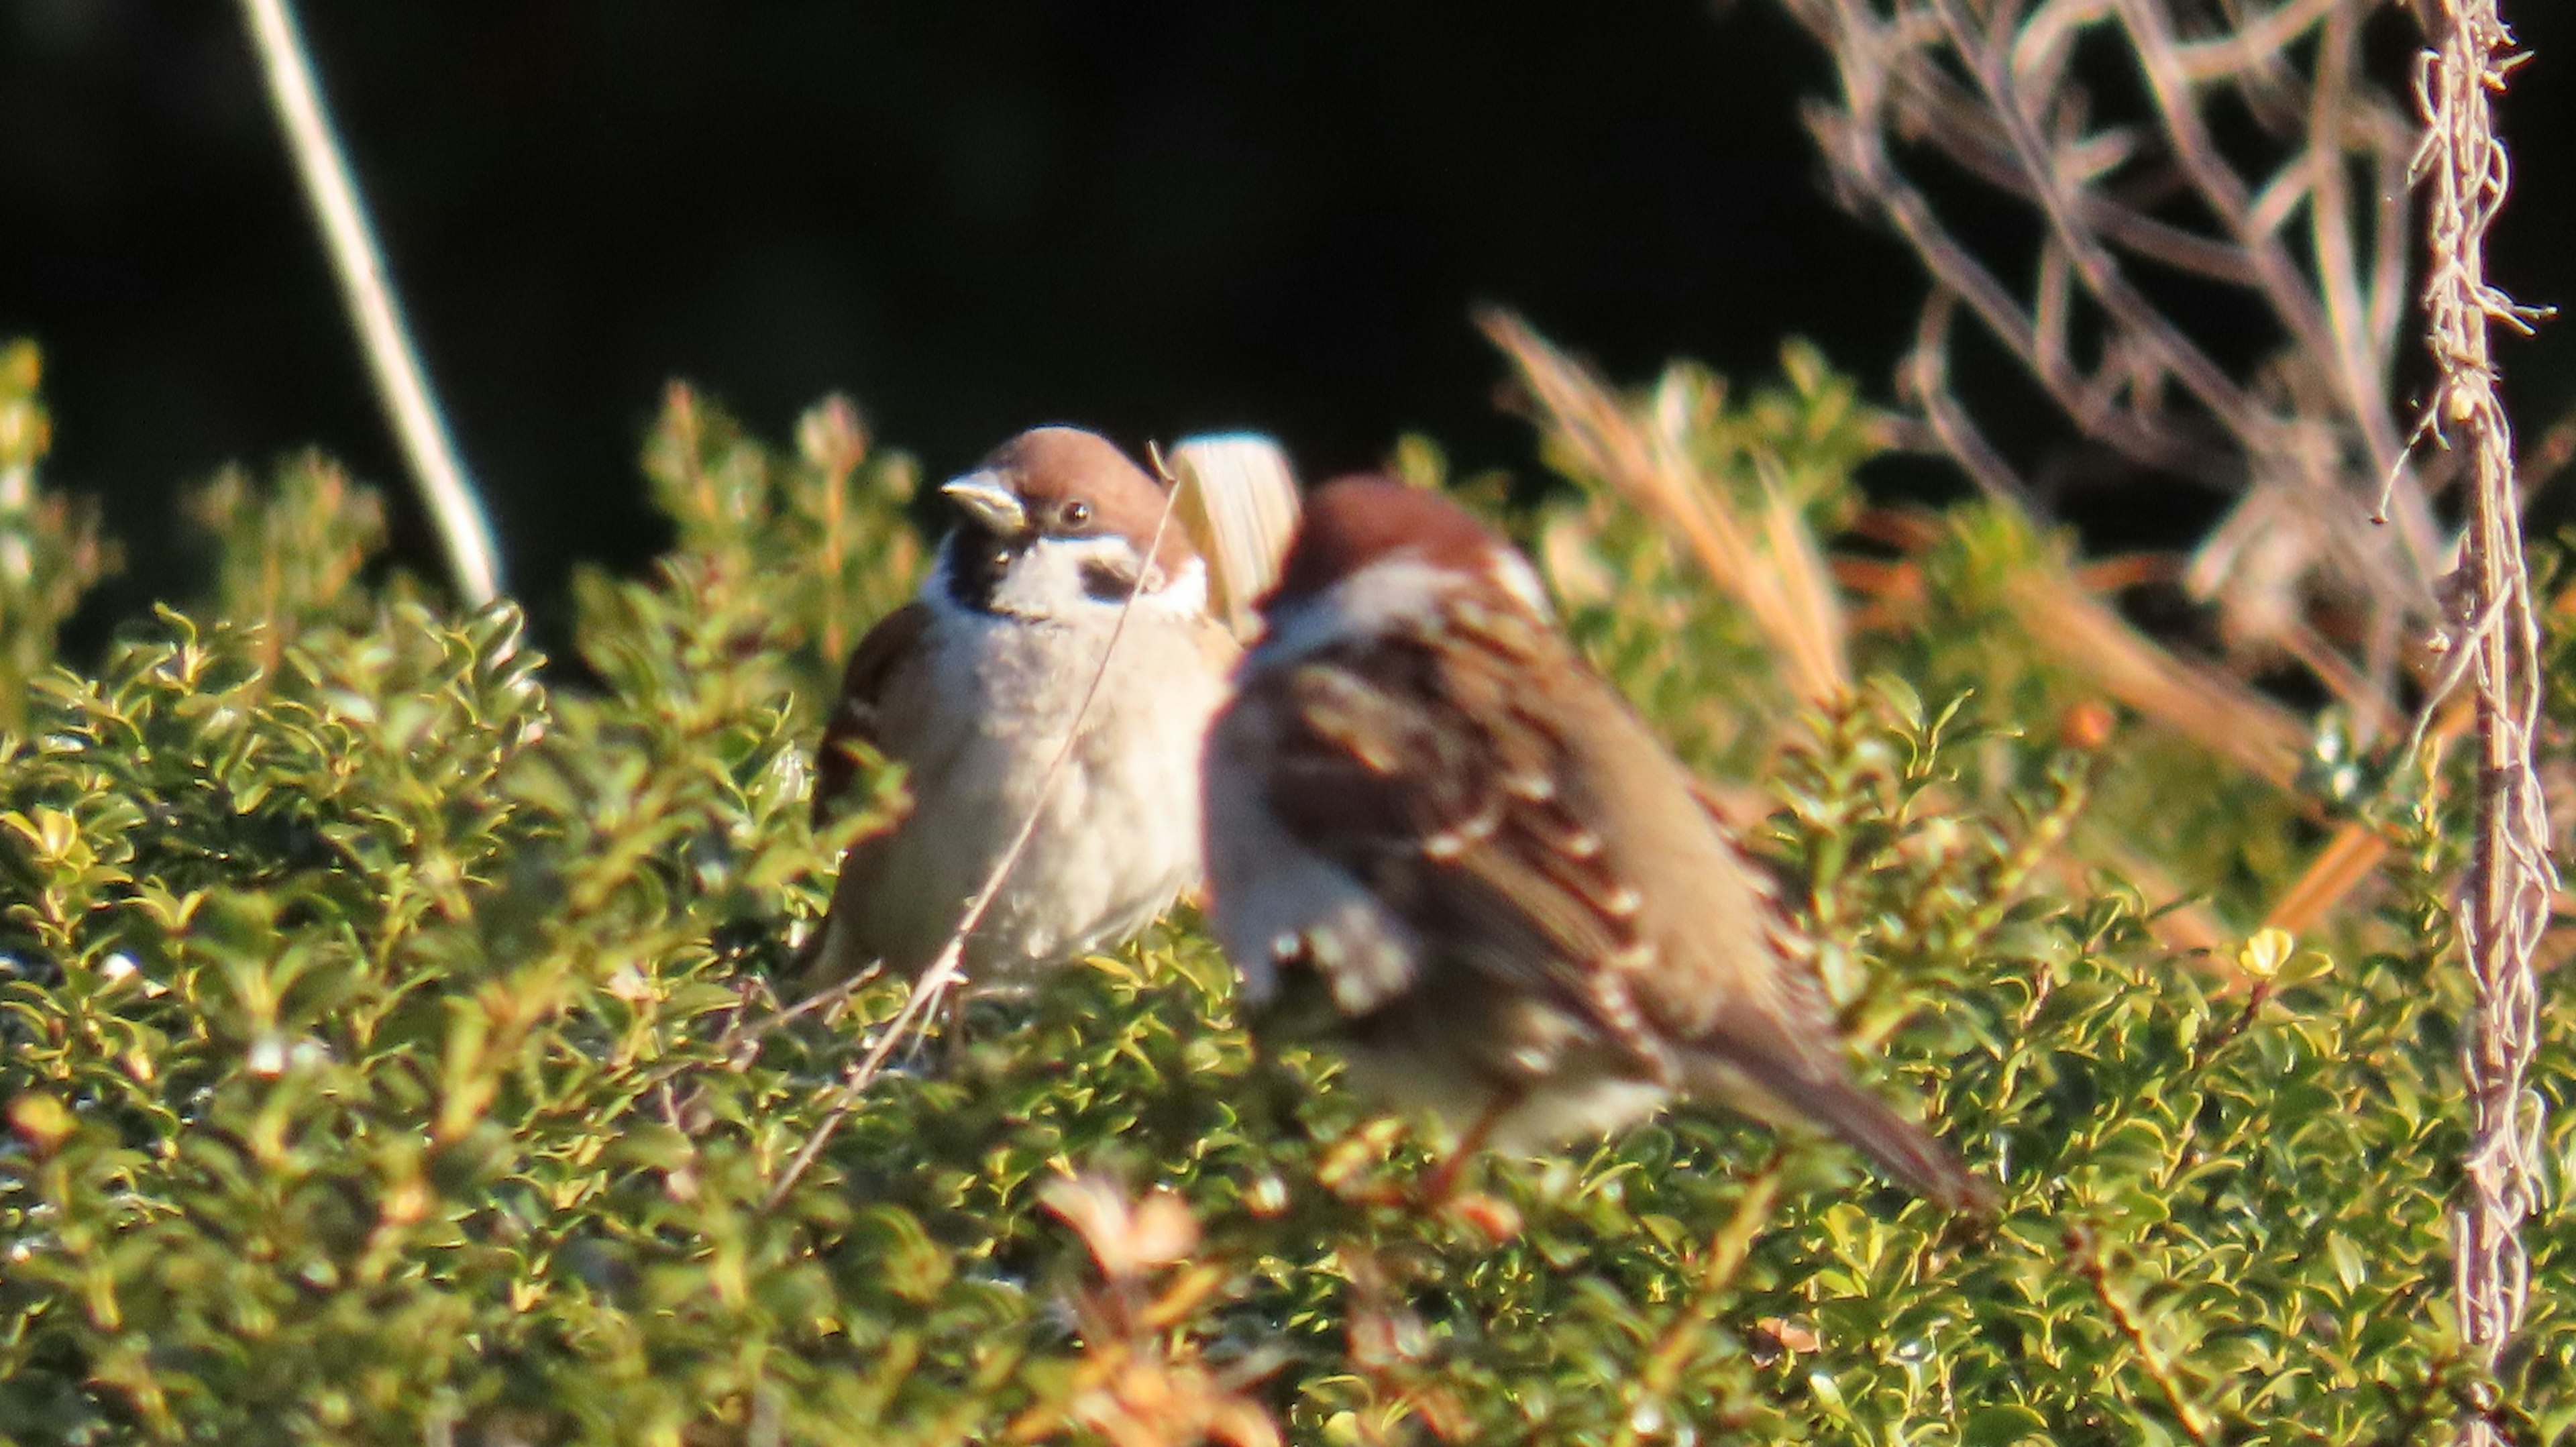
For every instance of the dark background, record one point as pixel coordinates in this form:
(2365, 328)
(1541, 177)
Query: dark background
(1149, 217)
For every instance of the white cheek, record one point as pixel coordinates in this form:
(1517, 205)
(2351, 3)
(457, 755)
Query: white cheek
(1049, 581)
(1185, 594)
(1046, 580)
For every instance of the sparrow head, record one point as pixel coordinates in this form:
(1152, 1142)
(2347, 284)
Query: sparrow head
(1373, 554)
(1058, 520)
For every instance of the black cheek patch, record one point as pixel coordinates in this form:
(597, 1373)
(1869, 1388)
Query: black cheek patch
(1106, 582)
(977, 562)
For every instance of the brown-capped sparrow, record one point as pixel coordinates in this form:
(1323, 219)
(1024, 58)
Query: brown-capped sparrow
(974, 685)
(1437, 836)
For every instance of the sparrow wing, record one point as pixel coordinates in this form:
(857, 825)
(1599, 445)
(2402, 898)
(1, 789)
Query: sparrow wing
(1439, 778)
(882, 671)
(885, 693)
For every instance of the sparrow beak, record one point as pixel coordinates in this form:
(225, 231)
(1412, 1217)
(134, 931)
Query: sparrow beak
(988, 502)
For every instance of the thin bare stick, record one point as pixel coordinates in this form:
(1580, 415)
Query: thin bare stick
(2093, 262)
(2362, 362)
(2162, 1365)
(1667, 1362)
(1925, 381)
(948, 970)
(2360, 378)
(2254, 43)
(2225, 717)
(455, 508)
(2151, 35)
(2505, 899)
(1860, 152)
(1931, 107)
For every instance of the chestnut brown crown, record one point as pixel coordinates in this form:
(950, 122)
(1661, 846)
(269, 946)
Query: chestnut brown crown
(1075, 483)
(1354, 521)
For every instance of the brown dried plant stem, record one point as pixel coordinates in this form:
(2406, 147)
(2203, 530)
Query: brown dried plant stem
(1767, 561)
(1719, 1262)
(2505, 899)
(2161, 1365)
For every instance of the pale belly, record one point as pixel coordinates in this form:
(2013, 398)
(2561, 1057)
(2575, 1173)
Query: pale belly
(1117, 831)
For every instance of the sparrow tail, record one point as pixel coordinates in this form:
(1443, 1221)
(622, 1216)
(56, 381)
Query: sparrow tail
(1905, 1151)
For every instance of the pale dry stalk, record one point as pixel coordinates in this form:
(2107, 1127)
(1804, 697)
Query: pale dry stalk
(2215, 711)
(2505, 899)
(1766, 559)
(375, 310)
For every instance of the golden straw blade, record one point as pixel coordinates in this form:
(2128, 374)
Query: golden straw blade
(1239, 501)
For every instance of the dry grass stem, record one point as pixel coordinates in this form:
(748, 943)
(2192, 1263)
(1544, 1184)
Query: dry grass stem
(402, 384)
(2352, 856)
(1765, 558)
(2214, 711)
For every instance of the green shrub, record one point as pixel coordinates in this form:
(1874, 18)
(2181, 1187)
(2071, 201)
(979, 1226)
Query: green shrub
(390, 1059)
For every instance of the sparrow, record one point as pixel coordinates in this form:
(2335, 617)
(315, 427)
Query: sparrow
(974, 687)
(1437, 837)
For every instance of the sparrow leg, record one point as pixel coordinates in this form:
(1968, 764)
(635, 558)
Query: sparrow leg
(949, 1016)
(1440, 1188)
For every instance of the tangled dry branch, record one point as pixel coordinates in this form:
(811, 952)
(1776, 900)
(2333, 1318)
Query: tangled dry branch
(2506, 897)
(2305, 212)
(2304, 215)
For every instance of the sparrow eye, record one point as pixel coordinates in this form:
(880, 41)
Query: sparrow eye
(1075, 513)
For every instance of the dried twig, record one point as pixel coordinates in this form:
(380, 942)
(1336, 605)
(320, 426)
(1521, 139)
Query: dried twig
(2505, 899)
(2207, 707)
(1662, 1372)
(2162, 1365)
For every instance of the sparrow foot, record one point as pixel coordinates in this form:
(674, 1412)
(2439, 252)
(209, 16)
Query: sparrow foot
(1446, 1192)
